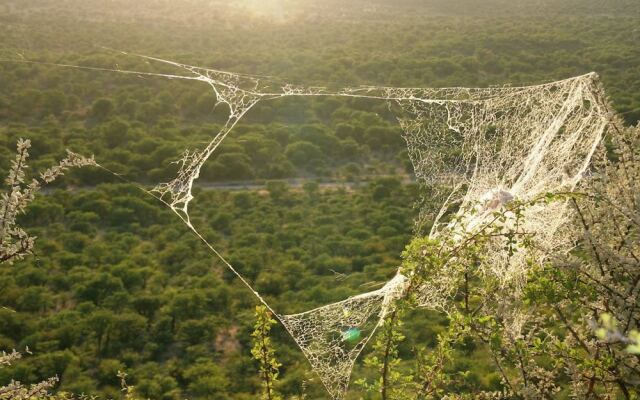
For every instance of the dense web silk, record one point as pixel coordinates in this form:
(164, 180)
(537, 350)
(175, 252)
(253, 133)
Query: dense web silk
(483, 147)
(490, 145)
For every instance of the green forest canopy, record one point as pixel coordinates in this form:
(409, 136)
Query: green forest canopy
(118, 283)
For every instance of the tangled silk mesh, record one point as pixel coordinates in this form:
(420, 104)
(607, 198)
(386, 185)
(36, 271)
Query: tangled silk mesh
(496, 145)
(332, 336)
(490, 145)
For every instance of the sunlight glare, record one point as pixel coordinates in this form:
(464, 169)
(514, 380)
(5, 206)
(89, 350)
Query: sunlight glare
(274, 10)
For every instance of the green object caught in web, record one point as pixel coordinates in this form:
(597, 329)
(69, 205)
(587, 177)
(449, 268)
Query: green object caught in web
(351, 335)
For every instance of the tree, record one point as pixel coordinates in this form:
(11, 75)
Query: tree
(115, 133)
(101, 109)
(546, 336)
(303, 154)
(264, 353)
(228, 167)
(311, 188)
(599, 283)
(127, 331)
(385, 187)
(54, 102)
(207, 380)
(15, 243)
(99, 323)
(277, 190)
(15, 390)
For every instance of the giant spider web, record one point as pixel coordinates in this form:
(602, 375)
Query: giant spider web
(491, 145)
(483, 147)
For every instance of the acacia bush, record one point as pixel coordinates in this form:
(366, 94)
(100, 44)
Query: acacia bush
(570, 331)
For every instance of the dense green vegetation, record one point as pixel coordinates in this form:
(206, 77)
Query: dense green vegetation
(119, 283)
(137, 126)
